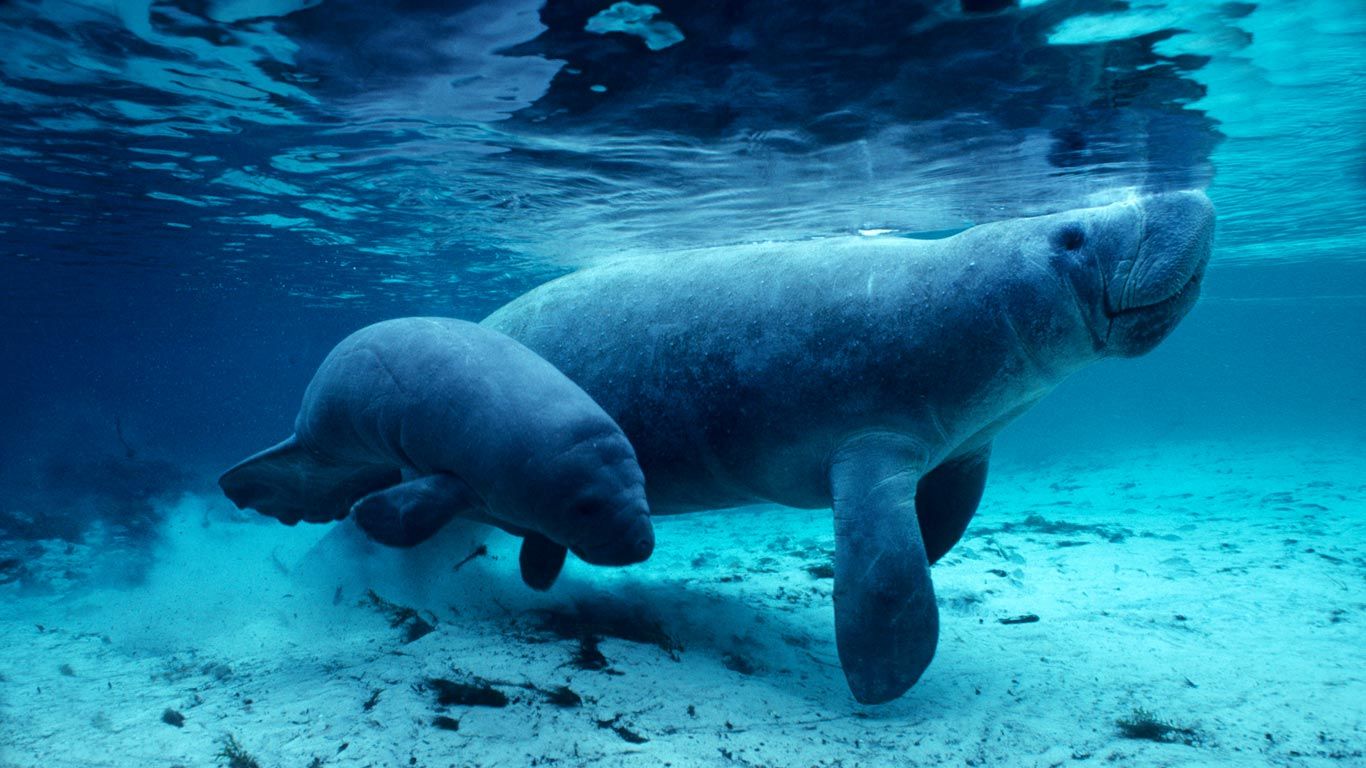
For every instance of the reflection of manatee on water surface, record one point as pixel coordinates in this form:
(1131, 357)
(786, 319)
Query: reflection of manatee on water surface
(865, 375)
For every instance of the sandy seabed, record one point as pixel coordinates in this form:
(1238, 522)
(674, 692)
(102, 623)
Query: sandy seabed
(1215, 590)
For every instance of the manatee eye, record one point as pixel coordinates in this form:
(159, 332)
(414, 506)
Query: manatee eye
(1070, 237)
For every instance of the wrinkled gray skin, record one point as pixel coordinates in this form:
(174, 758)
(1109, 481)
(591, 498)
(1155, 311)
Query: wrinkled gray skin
(411, 422)
(865, 374)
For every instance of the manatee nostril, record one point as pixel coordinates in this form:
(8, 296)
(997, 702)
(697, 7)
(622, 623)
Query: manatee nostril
(1071, 237)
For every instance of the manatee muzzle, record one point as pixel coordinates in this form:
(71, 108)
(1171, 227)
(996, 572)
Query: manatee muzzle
(1170, 258)
(629, 540)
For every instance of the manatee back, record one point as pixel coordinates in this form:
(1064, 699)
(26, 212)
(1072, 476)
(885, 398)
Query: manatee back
(439, 395)
(733, 371)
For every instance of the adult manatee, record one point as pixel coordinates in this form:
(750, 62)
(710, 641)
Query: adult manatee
(867, 375)
(411, 422)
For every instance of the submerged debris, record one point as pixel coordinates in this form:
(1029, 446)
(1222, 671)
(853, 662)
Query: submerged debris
(373, 700)
(1038, 524)
(418, 629)
(1025, 618)
(446, 723)
(1142, 724)
(962, 602)
(821, 570)
(415, 627)
(235, 755)
(11, 569)
(562, 696)
(626, 734)
(586, 620)
(589, 623)
(172, 717)
(588, 657)
(737, 663)
(474, 694)
(479, 551)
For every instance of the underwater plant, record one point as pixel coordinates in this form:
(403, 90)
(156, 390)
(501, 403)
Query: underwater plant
(1142, 724)
(414, 626)
(235, 755)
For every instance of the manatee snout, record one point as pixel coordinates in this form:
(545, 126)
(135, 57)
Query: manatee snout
(627, 538)
(597, 508)
(609, 523)
(1159, 281)
(611, 528)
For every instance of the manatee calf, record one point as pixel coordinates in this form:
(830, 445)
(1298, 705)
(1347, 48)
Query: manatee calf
(867, 375)
(411, 422)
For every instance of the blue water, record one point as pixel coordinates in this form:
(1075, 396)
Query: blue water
(198, 203)
(198, 199)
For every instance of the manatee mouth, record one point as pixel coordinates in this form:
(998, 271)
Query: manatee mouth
(633, 545)
(1168, 260)
(1191, 286)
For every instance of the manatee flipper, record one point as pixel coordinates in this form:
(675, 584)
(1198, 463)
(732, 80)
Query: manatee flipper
(541, 560)
(290, 484)
(946, 499)
(886, 620)
(408, 514)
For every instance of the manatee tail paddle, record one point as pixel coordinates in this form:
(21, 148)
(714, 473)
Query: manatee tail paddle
(290, 484)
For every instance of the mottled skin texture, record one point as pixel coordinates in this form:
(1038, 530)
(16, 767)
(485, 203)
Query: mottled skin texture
(865, 374)
(411, 422)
